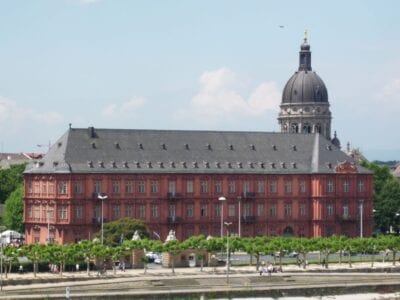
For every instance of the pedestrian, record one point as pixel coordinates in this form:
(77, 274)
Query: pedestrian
(123, 266)
(270, 268)
(20, 269)
(77, 267)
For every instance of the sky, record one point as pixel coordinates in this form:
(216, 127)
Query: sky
(194, 65)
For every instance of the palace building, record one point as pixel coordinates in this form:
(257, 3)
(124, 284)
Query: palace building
(293, 183)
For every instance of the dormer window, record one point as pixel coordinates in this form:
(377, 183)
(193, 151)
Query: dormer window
(172, 164)
(195, 165)
(294, 148)
(90, 164)
(229, 165)
(184, 165)
(138, 165)
(101, 164)
(218, 165)
(161, 164)
(273, 165)
(253, 147)
(207, 165)
(113, 164)
(208, 146)
(187, 146)
(240, 165)
(140, 145)
(274, 148)
(231, 147)
(164, 146)
(149, 165)
(93, 145)
(117, 146)
(125, 163)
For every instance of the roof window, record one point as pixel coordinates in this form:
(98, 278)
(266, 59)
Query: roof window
(187, 146)
(164, 146)
(274, 148)
(253, 147)
(93, 145)
(140, 145)
(208, 146)
(117, 146)
(231, 147)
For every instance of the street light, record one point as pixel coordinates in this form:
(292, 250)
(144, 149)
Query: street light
(222, 198)
(361, 217)
(227, 250)
(239, 230)
(48, 225)
(102, 197)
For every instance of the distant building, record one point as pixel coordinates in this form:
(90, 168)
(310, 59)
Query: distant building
(9, 159)
(294, 183)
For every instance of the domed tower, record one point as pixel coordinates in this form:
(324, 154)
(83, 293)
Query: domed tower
(305, 106)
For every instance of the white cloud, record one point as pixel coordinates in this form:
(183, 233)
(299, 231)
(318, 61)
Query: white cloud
(219, 97)
(392, 89)
(113, 111)
(12, 113)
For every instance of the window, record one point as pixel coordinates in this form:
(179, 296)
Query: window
(44, 213)
(218, 187)
(329, 209)
(141, 187)
(232, 186)
(217, 210)
(79, 212)
(154, 211)
(142, 211)
(78, 187)
(189, 186)
(51, 188)
(260, 210)
(29, 186)
(172, 187)
(129, 210)
(246, 210)
(172, 211)
(345, 185)
(29, 211)
(36, 187)
(204, 210)
(260, 187)
(330, 186)
(203, 186)
(97, 187)
(116, 211)
(44, 188)
(62, 212)
(189, 210)
(272, 210)
(302, 186)
(62, 187)
(288, 186)
(97, 212)
(51, 213)
(345, 211)
(272, 186)
(115, 187)
(361, 186)
(302, 210)
(288, 209)
(246, 186)
(36, 212)
(129, 187)
(154, 186)
(231, 210)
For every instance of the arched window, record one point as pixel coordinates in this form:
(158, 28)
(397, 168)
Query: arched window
(288, 232)
(306, 128)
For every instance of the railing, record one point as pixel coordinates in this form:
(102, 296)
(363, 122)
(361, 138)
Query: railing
(248, 219)
(174, 196)
(174, 220)
(97, 221)
(249, 195)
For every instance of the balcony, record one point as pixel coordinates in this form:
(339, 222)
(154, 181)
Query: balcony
(97, 221)
(174, 196)
(174, 220)
(248, 219)
(249, 195)
(345, 218)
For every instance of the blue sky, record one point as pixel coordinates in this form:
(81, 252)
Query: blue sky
(215, 65)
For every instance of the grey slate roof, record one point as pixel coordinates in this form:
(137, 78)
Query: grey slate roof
(173, 151)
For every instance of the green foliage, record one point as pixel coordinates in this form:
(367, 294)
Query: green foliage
(119, 230)
(10, 179)
(386, 197)
(14, 210)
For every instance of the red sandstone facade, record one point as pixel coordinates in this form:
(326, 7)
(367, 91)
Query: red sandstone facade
(66, 208)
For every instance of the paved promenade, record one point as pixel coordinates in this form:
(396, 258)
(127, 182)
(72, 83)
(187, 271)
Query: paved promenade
(161, 282)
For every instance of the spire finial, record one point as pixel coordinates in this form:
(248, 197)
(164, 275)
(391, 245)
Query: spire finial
(305, 36)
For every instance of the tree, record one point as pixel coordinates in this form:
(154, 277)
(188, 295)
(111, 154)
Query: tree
(14, 210)
(115, 232)
(10, 179)
(386, 197)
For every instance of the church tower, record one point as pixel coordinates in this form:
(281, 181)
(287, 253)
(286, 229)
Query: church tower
(305, 107)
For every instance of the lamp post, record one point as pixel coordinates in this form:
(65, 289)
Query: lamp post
(102, 197)
(240, 216)
(227, 250)
(222, 199)
(48, 225)
(361, 217)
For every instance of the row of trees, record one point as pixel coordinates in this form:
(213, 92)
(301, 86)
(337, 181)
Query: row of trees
(86, 252)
